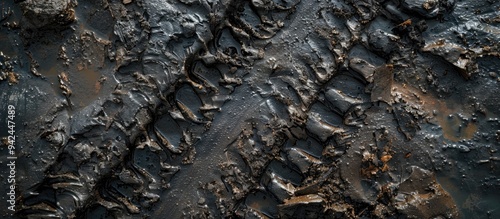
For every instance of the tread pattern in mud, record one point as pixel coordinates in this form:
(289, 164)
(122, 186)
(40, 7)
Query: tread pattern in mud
(256, 109)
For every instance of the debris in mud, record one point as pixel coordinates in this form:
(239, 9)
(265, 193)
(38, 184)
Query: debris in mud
(6, 70)
(33, 65)
(64, 84)
(12, 78)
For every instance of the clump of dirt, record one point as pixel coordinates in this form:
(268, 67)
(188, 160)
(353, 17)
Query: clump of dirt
(48, 13)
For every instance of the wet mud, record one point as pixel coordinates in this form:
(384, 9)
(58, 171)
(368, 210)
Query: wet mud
(251, 109)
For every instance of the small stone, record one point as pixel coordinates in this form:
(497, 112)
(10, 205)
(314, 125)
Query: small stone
(201, 201)
(126, 2)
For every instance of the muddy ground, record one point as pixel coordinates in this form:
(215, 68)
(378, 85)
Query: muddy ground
(250, 109)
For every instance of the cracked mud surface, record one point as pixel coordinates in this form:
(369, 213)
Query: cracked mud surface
(252, 109)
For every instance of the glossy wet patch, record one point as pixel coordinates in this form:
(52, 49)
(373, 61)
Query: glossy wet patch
(263, 204)
(169, 133)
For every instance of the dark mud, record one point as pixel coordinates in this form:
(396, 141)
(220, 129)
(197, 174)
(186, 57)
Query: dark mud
(251, 109)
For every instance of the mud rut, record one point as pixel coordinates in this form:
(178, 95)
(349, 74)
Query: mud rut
(254, 109)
